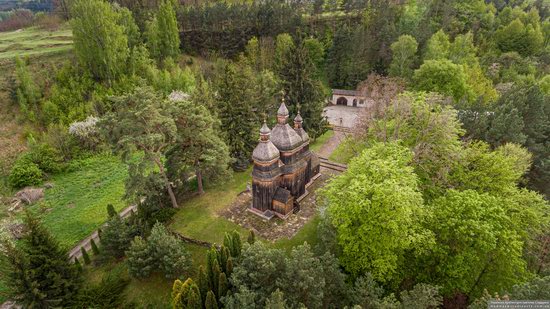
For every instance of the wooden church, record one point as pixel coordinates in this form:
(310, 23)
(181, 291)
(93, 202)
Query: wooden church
(283, 166)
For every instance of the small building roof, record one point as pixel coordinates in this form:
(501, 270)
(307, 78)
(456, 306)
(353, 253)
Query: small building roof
(345, 92)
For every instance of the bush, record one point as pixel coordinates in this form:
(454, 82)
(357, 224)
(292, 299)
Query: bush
(161, 252)
(25, 173)
(45, 157)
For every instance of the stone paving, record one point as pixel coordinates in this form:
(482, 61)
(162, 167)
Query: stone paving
(342, 116)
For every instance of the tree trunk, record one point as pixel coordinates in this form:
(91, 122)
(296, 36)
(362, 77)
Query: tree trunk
(167, 184)
(198, 173)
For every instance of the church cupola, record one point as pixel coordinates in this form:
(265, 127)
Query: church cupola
(283, 136)
(282, 113)
(299, 129)
(265, 151)
(298, 121)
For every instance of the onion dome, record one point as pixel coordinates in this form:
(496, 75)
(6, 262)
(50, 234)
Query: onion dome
(283, 111)
(299, 129)
(283, 136)
(265, 151)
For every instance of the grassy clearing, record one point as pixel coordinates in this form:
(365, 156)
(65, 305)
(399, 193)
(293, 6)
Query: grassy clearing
(34, 41)
(76, 204)
(198, 217)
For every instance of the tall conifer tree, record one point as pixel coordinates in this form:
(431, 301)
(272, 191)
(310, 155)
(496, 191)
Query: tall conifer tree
(302, 90)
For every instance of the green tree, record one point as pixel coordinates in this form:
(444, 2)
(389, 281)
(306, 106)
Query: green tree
(85, 256)
(27, 91)
(421, 296)
(100, 42)
(235, 95)
(438, 46)
(142, 122)
(283, 46)
(303, 281)
(374, 206)
(168, 252)
(163, 34)
(516, 36)
(522, 116)
(199, 146)
(430, 129)
(211, 302)
(116, 237)
(477, 245)
(403, 56)
(276, 301)
(186, 295)
(302, 90)
(140, 262)
(39, 272)
(258, 271)
(444, 77)
(95, 249)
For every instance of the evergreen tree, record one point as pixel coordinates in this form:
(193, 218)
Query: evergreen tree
(77, 264)
(111, 212)
(251, 237)
(95, 249)
(140, 261)
(211, 302)
(303, 281)
(302, 90)
(229, 267)
(40, 272)
(116, 237)
(186, 295)
(168, 253)
(223, 286)
(142, 122)
(163, 34)
(199, 146)
(235, 95)
(276, 301)
(203, 283)
(85, 256)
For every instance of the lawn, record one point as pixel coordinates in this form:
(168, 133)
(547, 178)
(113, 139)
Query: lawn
(76, 204)
(34, 41)
(198, 216)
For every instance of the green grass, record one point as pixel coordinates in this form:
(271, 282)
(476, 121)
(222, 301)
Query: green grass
(34, 41)
(198, 216)
(320, 141)
(76, 205)
(307, 233)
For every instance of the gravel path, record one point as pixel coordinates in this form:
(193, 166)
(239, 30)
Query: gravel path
(326, 150)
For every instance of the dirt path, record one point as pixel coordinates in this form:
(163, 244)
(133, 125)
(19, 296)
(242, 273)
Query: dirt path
(326, 150)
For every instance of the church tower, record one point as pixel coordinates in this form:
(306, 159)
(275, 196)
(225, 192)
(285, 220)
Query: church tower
(266, 172)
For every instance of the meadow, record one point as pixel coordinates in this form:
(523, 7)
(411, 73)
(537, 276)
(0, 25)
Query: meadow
(34, 41)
